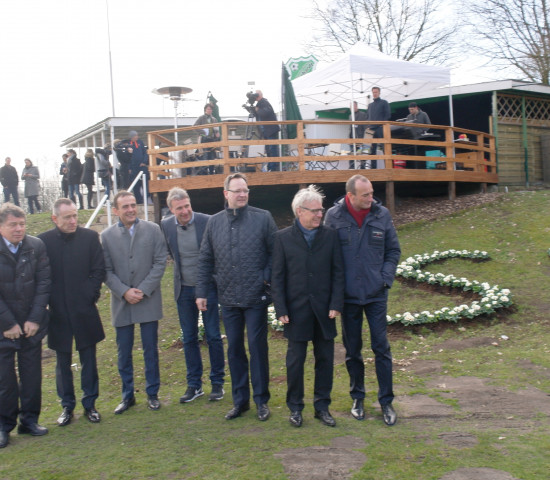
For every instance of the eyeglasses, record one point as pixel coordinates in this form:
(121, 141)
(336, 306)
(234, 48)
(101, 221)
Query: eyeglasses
(239, 192)
(315, 211)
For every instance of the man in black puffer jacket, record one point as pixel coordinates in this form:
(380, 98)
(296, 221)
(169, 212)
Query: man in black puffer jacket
(236, 252)
(24, 294)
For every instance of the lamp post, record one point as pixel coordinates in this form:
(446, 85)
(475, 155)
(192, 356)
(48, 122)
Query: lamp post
(174, 94)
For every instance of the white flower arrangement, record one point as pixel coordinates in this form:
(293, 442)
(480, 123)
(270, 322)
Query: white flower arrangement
(492, 297)
(272, 319)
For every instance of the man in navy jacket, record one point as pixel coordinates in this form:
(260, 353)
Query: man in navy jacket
(371, 251)
(183, 231)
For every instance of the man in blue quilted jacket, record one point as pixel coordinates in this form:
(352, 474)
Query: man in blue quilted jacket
(371, 250)
(236, 252)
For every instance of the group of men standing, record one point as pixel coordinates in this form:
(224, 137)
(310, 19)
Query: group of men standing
(314, 272)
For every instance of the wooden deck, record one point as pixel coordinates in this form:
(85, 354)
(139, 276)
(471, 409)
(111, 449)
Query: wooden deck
(320, 160)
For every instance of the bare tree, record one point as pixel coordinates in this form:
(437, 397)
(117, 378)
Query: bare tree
(420, 30)
(513, 33)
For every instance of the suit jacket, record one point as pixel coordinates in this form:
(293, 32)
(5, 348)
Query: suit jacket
(169, 228)
(307, 283)
(134, 261)
(77, 273)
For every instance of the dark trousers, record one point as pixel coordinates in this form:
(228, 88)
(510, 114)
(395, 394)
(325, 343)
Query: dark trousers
(21, 397)
(125, 176)
(149, 343)
(255, 319)
(378, 133)
(272, 151)
(90, 194)
(138, 186)
(33, 201)
(89, 379)
(189, 322)
(323, 351)
(11, 191)
(352, 322)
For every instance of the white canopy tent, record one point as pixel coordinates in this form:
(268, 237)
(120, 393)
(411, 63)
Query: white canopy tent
(352, 76)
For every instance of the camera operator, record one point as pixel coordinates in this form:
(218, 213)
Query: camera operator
(207, 135)
(264, 112)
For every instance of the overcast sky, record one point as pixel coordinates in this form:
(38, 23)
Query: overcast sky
(54, 58)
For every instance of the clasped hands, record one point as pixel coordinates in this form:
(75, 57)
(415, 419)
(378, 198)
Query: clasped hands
(133, 296)
(29, 330)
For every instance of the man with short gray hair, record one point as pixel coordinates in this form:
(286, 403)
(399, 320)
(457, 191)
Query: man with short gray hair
(308, 294)
(183, 231)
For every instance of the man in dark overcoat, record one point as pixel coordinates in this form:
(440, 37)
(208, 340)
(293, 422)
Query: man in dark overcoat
(308, 293)
(24, 292)
(77, 272)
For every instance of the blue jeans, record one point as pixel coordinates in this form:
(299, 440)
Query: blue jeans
(149, 342)
(272, 151)
(352, 322)
(106, 182)
(189, 321)
(255, 319)
(74, 189)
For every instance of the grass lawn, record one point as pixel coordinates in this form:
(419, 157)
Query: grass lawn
(194, 440)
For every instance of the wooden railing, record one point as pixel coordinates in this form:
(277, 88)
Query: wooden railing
(321, 160)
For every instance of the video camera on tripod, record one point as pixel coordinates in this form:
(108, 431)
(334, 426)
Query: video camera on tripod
(252, 97)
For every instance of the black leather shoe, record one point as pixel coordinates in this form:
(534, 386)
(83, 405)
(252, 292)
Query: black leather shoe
(65, 417)
(295, 418)
(357, 409)
(4, 439)
(390, 417)
(153, 403)
(125, 405)
(325, 417)
(263, 412)
(92, 415)
(33, 428)
(237, 411)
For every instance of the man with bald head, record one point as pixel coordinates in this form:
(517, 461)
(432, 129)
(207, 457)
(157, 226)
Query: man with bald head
(371, 251)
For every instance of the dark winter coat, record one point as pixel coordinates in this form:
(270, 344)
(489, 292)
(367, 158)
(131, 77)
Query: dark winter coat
(307, 283)
(370, 252)
(378, 110)
(74, 166)
(8, 176)
(88, 171)
(236, 252)
(265, 113)
(24, 287)
(77, 272)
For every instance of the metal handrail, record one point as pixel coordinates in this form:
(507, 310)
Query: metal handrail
(105, 200)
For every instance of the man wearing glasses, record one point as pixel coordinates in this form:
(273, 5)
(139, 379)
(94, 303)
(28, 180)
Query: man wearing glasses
(236, 252)
(308, 293)
(371, 251)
